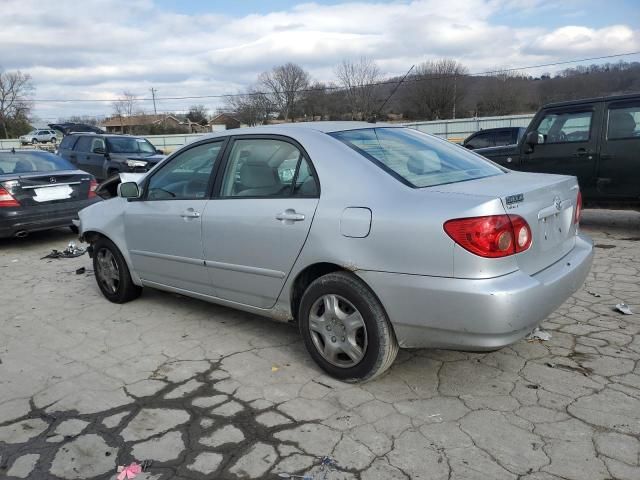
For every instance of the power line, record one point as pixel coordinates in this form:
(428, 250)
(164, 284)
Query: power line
(331, 88)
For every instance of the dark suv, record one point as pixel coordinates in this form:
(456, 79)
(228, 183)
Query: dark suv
(596, 140)
(105, 155)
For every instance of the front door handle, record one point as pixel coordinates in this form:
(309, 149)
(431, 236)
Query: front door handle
(190, 213)
(289, 216)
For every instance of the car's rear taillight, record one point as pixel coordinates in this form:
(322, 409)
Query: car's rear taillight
(493, 236)
(92, 188)
(6, 199)
(578, 208)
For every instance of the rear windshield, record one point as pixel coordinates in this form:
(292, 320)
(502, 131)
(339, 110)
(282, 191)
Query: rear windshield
(417, 159)
(32, 162)
(130, 145)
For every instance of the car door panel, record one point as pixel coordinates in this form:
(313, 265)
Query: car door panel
(165, 243)
(256, 227)
(570, 147)
(250, 245)
(618, 170)
(164, 228)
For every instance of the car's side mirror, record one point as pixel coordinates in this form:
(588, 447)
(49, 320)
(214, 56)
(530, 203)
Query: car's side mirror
(129, 190)
(99, 151)
(534, 138)
(161, 152)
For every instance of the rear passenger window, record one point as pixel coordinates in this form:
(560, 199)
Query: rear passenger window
(504, 137)
(267, 168)
(624, 122)
(482, 140)
(565, 127)
(67, 142)
(84, 144)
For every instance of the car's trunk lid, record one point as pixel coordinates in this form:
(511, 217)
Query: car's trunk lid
(48, 188)
(546, 202)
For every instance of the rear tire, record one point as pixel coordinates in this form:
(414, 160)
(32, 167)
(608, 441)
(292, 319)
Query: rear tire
(112, 274)
(339, 313)
(34, 141)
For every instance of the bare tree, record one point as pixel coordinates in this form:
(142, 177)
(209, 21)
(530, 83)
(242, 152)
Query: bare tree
(124, 106)
(15, 104)
(502, 93)
(198, 114)
(251, 108)
(439, 87)
(359, 79)
(285, 85)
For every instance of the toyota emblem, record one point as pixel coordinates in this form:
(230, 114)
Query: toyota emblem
(558, 203)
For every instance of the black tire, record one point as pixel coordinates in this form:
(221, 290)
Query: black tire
(54, 140)
(74, 229)
(121, 291)
(34, 141)
(381, 346)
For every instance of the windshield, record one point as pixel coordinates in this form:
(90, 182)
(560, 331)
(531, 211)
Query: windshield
(417, 159)
(32, 162)
(130, 145)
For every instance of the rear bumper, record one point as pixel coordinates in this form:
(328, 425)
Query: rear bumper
(42, 217)
(477, 314)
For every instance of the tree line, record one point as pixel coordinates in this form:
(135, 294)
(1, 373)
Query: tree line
(438, 89)
(434, 90)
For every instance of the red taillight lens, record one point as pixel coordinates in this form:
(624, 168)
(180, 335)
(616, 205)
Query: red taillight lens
(6, 199)
(578, 208)
(492, 236)
(92, 188)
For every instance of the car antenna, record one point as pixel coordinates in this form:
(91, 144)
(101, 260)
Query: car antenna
(374, 118)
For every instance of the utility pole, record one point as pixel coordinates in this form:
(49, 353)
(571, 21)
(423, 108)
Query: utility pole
(455, 93)
(153, 95)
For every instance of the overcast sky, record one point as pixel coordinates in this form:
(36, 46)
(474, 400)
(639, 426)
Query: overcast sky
(95, 49)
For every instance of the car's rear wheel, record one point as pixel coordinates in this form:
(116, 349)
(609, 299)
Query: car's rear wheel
(34, 141)
(346, 329)
(112, 274)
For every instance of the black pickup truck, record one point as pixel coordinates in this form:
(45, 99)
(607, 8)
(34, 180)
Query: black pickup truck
(596, 140)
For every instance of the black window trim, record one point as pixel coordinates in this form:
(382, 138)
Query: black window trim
(176, 154)
(560, 110)
(617, 106)
(217, 187)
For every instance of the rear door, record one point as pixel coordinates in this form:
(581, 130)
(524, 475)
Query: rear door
(570, 147)
(85, 159)
(255, 228)
(163, 229)
(619, 168)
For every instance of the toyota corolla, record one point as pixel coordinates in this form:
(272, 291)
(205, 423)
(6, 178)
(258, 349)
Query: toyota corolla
(369, 237)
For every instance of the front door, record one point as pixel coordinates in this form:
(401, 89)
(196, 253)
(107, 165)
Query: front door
(164, 228)
(255, 228)
(619, 168)
(570, 145)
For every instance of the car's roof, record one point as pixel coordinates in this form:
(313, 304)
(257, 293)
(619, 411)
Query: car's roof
(292, 128)
(612, 98)
(95, 134)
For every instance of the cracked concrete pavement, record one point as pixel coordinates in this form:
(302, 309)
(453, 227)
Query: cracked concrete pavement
(208, 392)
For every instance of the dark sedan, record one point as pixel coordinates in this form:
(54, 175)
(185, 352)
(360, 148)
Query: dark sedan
(40, 191)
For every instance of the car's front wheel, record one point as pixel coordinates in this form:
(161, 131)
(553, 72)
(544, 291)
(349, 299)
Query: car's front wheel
(346, 329)
(112, 273)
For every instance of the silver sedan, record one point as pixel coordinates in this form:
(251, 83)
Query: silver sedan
(370, 237)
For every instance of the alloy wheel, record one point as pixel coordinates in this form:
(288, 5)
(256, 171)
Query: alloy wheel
(107, 270)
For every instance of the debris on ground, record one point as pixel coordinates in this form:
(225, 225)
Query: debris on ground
(70, 252)
(580, 369)
(624, 308)
(539, 335)
(595, 294)
(80, 271)
(133, 470)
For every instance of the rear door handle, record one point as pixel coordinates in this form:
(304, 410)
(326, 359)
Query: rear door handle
(582, 152)
(190, 213)
(290, 215)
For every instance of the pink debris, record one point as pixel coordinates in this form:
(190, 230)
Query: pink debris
(130, 471)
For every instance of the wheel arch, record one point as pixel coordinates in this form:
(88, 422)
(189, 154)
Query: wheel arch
(91, 235)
